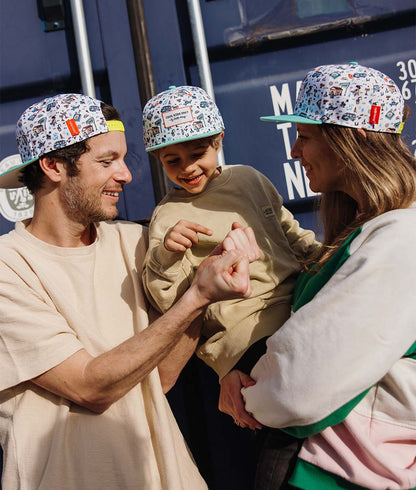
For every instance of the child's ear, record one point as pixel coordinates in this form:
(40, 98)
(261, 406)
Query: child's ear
(220, 141)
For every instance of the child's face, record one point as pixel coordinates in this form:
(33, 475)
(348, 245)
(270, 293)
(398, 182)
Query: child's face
(190, 165)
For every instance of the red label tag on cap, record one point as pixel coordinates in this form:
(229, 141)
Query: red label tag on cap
(374, 114)
(72, 126)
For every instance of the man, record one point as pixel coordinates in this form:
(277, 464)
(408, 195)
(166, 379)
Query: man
(81, 403)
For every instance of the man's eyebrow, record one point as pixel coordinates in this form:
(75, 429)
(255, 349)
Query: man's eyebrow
(107, 154)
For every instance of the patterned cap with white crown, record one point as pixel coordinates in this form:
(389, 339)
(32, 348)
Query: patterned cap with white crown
(53, 123)
(348, 95)
(179, 114)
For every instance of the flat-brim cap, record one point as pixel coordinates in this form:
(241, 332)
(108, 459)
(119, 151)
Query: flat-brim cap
(348, 95)
(53, 123)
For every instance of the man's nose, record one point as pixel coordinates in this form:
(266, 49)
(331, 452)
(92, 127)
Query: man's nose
(123, 173)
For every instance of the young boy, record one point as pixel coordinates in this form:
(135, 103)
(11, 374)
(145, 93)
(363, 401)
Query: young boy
(184, 129)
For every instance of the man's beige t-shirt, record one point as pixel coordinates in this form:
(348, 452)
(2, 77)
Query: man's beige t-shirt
(53, 302)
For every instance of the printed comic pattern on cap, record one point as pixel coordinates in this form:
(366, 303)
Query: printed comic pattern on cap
(351, 95)
(57, 122)
(179, 114)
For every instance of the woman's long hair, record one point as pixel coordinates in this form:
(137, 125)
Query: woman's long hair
(381, 166)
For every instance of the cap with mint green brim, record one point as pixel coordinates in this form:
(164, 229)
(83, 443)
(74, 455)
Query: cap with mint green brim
(10, 168)
(348, 95)
(290, 118)
(178, 115)
(53, 123)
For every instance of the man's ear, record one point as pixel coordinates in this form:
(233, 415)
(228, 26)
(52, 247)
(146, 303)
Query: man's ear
(52, 168)
(362, 132)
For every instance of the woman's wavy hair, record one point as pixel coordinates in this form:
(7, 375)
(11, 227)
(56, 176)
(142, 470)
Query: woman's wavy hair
(33, 177)
(382, 165)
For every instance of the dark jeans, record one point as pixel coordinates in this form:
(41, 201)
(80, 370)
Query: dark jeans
(277, 453)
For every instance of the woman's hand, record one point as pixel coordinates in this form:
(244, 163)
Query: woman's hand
(231, 401)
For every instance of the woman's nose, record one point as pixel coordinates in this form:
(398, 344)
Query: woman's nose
(295, 151)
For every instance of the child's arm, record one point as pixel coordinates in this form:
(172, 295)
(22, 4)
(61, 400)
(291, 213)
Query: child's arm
(302, 242)
(168, 271)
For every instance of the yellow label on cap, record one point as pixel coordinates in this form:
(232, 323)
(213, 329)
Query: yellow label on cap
(114, 125)
(401, 128)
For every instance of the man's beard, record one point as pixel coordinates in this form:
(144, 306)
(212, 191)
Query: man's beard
(82, 206)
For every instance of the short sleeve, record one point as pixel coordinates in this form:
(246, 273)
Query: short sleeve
(34, 337)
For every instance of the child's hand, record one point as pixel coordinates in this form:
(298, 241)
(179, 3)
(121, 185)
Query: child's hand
(183, 235)
(241, 239)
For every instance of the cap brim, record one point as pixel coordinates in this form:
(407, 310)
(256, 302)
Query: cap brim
(290, 118)
(10, 178)
(184, 140)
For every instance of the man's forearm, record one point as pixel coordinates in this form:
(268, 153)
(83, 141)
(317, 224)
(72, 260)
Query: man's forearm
(171, 366)
(97, 382)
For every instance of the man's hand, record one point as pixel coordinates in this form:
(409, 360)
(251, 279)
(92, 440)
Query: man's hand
(231, 401)
(222, 277)
(183, 235)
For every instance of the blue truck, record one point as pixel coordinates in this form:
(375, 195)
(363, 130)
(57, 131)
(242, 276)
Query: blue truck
(251, 56)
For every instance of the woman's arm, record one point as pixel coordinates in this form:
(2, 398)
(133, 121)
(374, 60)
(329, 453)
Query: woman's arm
(348, 337)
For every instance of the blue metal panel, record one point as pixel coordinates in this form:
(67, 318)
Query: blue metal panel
(229, 21)
(165, 43)
(29, 55)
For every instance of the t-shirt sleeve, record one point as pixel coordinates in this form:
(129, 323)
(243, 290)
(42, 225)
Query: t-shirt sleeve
(34, 336)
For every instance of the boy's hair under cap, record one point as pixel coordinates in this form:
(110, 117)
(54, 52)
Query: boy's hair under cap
(53, 123)
(348, 95)
(179, 114)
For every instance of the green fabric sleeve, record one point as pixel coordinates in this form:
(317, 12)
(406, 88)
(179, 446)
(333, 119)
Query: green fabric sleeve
(310, 477)
(333, 419)
(310, 283)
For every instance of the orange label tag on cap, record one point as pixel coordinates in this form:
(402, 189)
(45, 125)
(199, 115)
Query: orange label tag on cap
(375, 114)
(72, 126)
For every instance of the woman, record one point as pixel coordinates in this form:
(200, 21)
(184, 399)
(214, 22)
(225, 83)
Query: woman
(340, 375)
